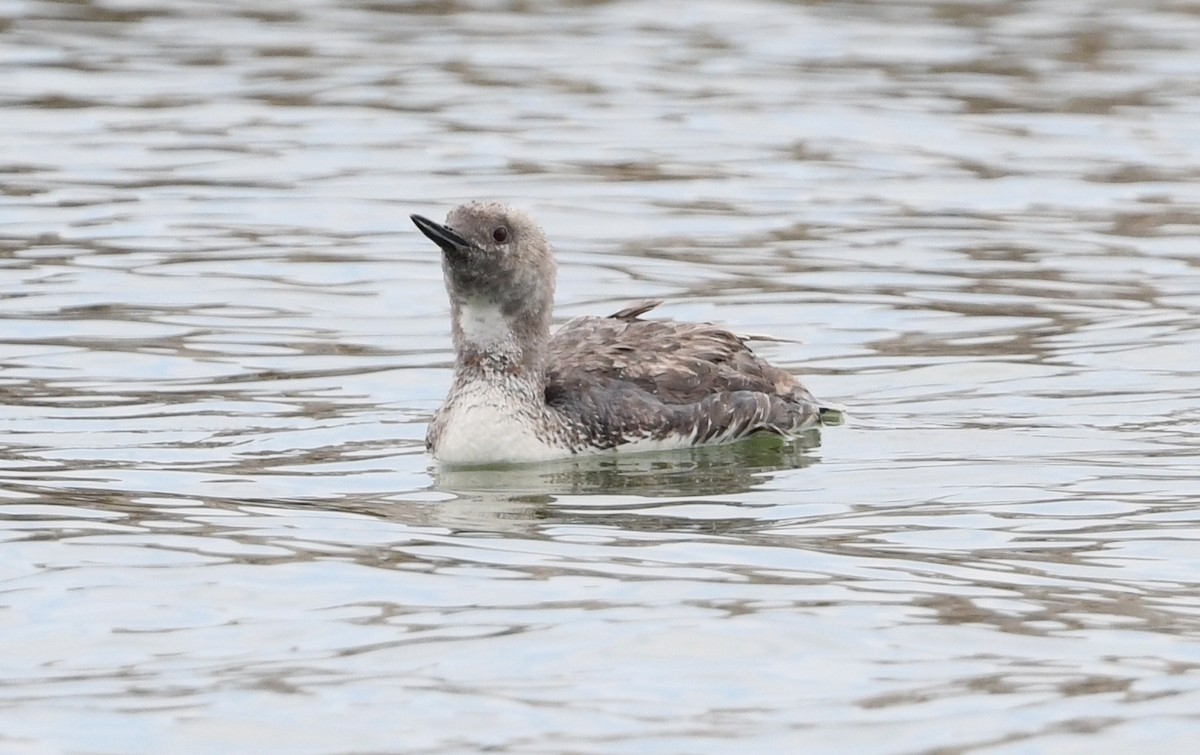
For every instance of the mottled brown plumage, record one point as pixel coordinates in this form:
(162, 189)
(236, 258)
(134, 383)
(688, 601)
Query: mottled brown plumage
(598, 383)
(680, 363)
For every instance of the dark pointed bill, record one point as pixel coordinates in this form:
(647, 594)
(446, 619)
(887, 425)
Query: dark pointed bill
(441, 235)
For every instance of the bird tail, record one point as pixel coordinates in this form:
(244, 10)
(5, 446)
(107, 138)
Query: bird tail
(831, 413)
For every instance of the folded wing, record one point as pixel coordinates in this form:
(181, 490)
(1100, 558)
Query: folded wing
(680, 363)
(631, 379)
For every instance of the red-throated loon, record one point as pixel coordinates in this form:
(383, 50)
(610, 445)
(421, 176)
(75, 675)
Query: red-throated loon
(617, 383)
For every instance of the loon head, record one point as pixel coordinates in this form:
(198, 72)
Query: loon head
(500, 273)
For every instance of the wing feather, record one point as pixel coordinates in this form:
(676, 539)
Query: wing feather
(680, 363)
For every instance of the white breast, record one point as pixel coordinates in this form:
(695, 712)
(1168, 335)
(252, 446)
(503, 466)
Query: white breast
(482, 428)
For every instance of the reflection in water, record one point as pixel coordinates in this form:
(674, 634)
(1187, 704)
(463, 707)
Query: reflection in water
(716, 470)
(639, 491)
(220, 343)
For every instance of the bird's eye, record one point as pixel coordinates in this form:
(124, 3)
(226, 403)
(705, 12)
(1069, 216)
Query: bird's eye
(500, 234)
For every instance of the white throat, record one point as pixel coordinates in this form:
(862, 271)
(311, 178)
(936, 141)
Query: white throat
(485, 327)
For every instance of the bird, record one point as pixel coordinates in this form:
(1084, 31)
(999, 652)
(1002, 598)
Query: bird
(523, 394)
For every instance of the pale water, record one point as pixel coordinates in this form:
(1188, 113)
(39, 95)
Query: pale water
(977, 224)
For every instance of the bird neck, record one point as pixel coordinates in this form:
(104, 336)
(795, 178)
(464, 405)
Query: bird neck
(494, 344)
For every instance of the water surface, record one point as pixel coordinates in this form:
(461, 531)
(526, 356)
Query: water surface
(220, 340)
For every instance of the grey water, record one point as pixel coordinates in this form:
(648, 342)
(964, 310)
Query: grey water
(976, 224)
